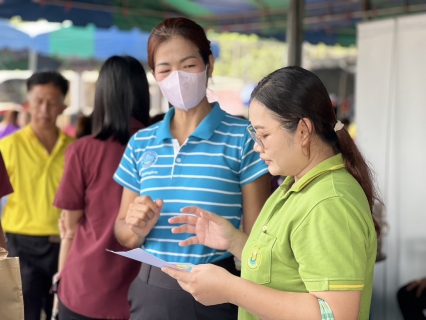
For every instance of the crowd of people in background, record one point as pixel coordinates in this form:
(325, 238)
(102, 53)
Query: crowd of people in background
(34, 158)
(192, 185)
(9, 124)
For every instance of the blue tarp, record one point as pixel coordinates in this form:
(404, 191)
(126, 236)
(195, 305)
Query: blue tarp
(30, 10)
(241, 15)
(13, 39)
(114, 42)
(106, 42)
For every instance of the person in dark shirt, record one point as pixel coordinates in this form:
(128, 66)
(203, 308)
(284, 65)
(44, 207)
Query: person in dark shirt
(412, 300)
(93, 282)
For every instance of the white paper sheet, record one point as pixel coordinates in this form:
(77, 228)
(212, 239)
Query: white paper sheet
(145, 257)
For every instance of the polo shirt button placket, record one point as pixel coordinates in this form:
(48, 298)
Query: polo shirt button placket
(177, 170)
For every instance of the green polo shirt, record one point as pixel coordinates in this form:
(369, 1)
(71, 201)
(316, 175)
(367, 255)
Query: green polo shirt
(314, 235)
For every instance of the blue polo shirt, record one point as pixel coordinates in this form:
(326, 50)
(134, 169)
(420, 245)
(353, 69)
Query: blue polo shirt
(208, 171)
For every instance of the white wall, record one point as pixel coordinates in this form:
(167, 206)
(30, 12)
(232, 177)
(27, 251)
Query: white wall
(391, 133)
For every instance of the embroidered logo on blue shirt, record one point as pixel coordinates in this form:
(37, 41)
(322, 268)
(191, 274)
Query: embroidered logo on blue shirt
(149, 173)
(148, 159)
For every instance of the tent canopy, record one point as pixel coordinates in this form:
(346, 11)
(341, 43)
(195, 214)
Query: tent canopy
(328, 21)
(81, 42)
(91, 42)
(13, 39)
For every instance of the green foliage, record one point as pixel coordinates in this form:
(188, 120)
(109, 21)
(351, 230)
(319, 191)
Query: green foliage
(247, 57)
(13, 60)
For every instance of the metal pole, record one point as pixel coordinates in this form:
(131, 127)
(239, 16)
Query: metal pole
(366, 6)
(32, 60)
(295, 14)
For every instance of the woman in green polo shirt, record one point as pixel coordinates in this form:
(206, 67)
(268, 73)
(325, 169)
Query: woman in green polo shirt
(312, 250)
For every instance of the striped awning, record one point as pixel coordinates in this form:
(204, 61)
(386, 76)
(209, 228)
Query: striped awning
(327, 21)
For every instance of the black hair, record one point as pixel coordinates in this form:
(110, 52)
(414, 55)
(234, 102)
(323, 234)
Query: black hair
(48, 77)
(83, 126)
(346, 121)
(293, 93)
(122, 92)
(157, 118)
(183, 27)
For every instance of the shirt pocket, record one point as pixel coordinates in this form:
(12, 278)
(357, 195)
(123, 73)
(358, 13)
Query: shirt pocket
(259, 259)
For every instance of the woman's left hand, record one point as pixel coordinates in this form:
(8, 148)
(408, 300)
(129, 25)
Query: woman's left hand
(207, 283)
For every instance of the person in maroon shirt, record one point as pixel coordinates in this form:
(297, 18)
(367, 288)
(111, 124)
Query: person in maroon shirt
(5, 189)
(93, 282)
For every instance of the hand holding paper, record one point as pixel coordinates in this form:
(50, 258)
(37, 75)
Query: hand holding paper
(145, 257)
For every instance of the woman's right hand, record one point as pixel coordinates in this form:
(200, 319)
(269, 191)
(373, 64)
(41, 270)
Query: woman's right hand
(143, 214)
(210, 229)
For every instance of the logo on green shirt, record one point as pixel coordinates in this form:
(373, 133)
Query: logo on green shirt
(255, 258)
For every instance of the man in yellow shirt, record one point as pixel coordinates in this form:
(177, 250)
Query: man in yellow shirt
(34, 159)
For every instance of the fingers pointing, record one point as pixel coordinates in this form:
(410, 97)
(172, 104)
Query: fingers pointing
(189, 242)
(194, 210)
(183, 219)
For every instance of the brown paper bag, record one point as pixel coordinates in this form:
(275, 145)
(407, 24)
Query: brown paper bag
(11, 301)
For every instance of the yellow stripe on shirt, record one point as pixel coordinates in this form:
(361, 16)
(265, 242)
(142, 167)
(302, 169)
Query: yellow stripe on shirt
(346, 286)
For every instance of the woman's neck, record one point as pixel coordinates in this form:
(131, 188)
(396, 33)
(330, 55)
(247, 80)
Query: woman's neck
(184, 122)
(319, 152)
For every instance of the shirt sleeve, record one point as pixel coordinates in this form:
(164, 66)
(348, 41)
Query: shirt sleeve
(5, 186)
(252, 167)
(330, 246)
(71, 190)
(127, 174)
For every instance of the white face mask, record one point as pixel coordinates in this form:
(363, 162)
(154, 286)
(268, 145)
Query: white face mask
(184, 90)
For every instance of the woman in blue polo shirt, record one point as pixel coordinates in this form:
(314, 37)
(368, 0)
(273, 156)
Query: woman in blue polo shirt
(198, 155)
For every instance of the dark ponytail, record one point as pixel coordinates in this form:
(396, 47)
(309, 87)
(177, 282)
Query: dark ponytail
(293, 93)
(358, 167)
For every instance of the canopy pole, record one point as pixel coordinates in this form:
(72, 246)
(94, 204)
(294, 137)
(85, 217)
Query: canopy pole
(32, 60)
(294, 35)
(366, 6)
